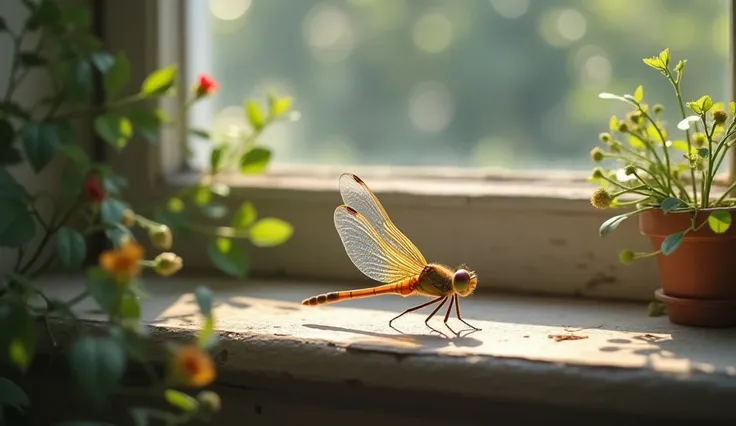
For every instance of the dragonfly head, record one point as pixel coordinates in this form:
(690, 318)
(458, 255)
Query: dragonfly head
(464, 281)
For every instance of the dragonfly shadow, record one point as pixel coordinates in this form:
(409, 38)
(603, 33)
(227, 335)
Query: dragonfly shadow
(435, 340)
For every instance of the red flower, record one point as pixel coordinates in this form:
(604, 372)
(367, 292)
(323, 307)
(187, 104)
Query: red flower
(205, 86)
(93, 190)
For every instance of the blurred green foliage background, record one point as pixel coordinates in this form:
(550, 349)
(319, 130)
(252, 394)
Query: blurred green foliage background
(467, 83)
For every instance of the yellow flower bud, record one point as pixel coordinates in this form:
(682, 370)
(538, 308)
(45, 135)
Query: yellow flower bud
(699, 139)
(166, 264)
(626, 256)
(128, 218)
(601, 199)
(210, 402)
(597, 155)
(630, 170)
(720, 116)
(161, 237)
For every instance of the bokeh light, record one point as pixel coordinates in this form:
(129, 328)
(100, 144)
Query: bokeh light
(229, 10)
(510, 9)
(328, 32)
(433, 32)
(430, 107)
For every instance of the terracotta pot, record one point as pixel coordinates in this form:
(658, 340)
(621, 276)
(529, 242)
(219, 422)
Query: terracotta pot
(698, 283)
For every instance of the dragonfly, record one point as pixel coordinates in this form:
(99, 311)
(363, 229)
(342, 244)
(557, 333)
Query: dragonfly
(383, 253)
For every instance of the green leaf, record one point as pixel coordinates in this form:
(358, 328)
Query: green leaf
(103, 61)
(216, 159)
(133, 344)
(732, 107)
(639, 94)
(270, 232)
(147, 122)
(12, 395)
(17, 226)
(680, 145)
(130, 308)
(202, 196)
(13, 109)
(611, 224)
(635, 142)
(669, 204)
(175, 205)
(40, 143)
(229, 258)
(215, 211)
(9, 155)
(244, 216)
(254, 114)
(672, 242)
(10, 188)
(71, 248)
(31, 60)
(703, 152)
(181, 400)
(664, 56)
(118, 75)
(18, 334)
(3, 24)
(654, 134)
(204, 300)
(206, 337)
(116, 130)
(98, 365)
(278, 106)
(77, 155)
(103, 290)
(112, 210)
(160, 81)
(655, 309)
(46, 15)
(719, 221)
(255, 161)
(200, 133)
(613, 123)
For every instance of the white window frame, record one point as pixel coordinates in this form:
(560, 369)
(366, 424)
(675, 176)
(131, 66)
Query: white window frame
(522, 232)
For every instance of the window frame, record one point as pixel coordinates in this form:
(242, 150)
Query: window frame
(547, 243)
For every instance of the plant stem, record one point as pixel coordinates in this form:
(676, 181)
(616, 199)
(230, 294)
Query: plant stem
(707, 182)
(664, 147)
(47, 236)
(725, 193)
(676, 86)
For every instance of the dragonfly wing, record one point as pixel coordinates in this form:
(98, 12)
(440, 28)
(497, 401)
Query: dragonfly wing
(356, 194)
(367, 250)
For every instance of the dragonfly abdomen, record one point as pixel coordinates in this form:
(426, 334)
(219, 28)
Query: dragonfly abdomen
(402, 288)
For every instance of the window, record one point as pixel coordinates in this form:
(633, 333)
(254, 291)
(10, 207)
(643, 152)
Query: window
(471, 119)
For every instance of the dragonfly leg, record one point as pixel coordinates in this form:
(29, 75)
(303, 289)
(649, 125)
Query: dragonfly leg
(447, 315)
(457, 311)
(416, 308)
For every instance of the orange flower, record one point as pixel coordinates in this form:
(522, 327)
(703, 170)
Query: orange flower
(123, 263)
(193, 366)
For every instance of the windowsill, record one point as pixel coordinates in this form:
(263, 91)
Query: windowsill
(626, 362)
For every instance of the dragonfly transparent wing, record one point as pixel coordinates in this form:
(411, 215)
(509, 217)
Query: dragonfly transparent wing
(369, 252)
(356, 194)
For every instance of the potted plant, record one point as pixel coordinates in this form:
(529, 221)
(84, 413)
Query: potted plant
(667, 175)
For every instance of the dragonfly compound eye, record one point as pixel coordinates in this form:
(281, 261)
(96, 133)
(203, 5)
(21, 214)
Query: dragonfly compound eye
(461, 279)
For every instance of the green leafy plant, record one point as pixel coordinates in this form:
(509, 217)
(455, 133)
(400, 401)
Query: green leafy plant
(91, 202)
(661, 169)
(238, 153)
